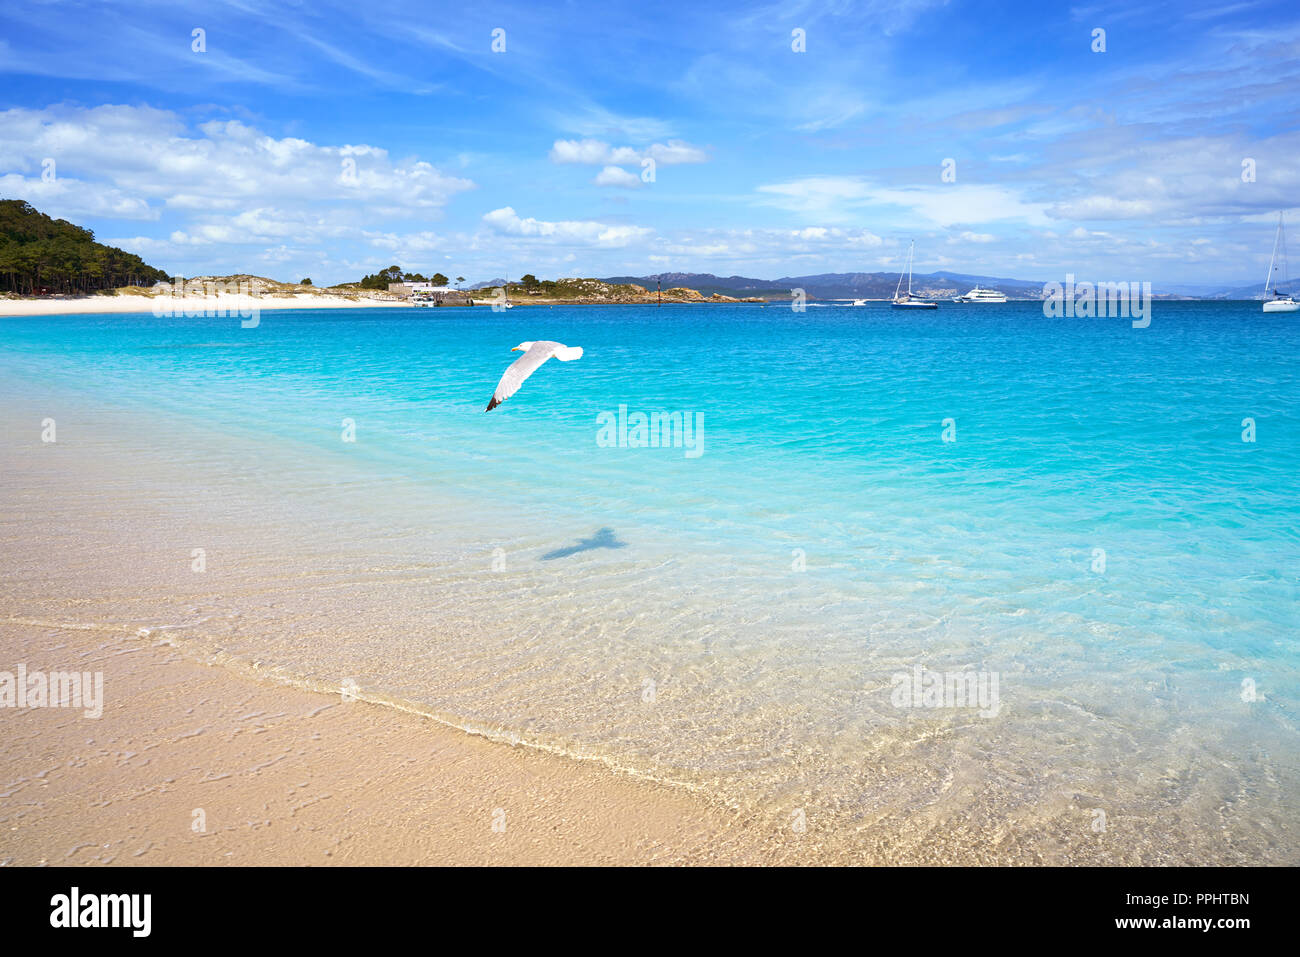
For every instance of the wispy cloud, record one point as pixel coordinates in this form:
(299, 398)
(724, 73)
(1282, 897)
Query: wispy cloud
(781, 155)
(845, 198)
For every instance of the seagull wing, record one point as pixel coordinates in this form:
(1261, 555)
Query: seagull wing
(520, 370)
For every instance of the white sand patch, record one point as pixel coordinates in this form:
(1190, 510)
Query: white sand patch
(120, 304)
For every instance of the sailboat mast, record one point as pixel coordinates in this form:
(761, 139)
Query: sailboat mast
(1273, 259)
(910, 250)
(1281, 238)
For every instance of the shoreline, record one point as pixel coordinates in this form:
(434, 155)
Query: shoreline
(114, 305)
(192, 764)
(280, 772)
(99, 543)
(96, 305)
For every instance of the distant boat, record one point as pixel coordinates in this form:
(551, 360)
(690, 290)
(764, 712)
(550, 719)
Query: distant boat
(1281, 302)
(506, 288)
(859, 302)
(979, 294)
(905, 300)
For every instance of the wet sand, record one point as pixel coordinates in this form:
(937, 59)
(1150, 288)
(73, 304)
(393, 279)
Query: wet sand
(194, 765)
(279, 774)
(96, 536)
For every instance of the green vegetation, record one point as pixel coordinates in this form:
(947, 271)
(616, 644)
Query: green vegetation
(304, 282)
(381, 279)
(40, 255)
(585, 290)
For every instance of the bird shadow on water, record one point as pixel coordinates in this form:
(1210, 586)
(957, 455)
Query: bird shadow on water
(604, 538)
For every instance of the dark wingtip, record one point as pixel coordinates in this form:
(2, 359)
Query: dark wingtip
(492, 405)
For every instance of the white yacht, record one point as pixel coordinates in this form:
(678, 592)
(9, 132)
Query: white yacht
(859, 302)
(980, 294)
(1281, 302)
(905, 300)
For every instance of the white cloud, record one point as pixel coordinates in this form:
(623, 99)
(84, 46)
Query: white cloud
(423, 241)
(597, 121)
(225, 196)
(817, 192)
(1101, 207)
(65, 196)
(844, 197)
(675, 152)
(580, 151)
(585, 232)
(131, 162)
(593, 152)
(833, 234)
(616, 176)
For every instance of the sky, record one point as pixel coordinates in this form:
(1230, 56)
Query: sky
(331, 139)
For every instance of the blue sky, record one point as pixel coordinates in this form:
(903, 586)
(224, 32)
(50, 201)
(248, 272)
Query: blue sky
(330, 139)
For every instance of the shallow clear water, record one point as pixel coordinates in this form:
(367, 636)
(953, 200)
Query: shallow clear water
(733, 621)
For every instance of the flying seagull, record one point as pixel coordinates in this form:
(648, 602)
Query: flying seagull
(534, 354)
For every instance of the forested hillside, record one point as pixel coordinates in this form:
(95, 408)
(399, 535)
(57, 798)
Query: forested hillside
(39, 254)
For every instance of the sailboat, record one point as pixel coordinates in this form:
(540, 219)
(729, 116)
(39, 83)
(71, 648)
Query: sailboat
(905, 301)
(506, 289)
(1281, 302)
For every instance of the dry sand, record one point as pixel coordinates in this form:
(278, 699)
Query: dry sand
(112, 304)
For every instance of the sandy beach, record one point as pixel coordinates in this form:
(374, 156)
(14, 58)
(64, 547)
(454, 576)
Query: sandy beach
(234, 526)
(90, 305)
(214, 760)
(194, 765)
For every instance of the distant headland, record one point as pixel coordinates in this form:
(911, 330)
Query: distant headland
(50, 266)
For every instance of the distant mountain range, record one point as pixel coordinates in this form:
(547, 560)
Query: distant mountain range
(838, 285)
(1253, 291)
(881, 285)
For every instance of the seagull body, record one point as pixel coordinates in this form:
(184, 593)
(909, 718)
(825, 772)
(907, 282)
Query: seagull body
(534, 354)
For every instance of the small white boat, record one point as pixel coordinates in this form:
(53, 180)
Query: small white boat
(1281, 302)
(980, 294)
(859, 302)
(906, 300)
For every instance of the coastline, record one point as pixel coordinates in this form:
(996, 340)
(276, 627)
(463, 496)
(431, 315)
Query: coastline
(192, 764)
(99, 543)
(201, 758)
(94, 305)
(109, 305)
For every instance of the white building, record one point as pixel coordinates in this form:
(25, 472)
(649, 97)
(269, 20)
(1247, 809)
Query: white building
(423, 288)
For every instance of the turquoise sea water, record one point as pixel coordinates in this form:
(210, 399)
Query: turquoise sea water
(1098, 535)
